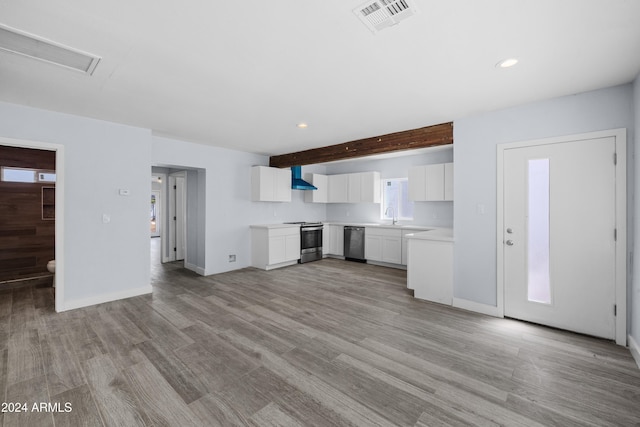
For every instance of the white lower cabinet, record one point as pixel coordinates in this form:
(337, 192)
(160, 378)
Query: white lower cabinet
(274, 247)
(372, 246)
(430, 270)
(335, 240)
(383, 245)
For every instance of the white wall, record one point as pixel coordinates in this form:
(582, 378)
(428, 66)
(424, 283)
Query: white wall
(228, 207)
(438, 214)
(475, 171)
(101, 261)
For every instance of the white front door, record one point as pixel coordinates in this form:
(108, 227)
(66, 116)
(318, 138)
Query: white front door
(559, 219)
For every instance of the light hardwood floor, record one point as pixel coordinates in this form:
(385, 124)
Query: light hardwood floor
(323, 343)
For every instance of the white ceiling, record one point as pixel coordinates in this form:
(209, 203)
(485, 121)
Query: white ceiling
(243, 74)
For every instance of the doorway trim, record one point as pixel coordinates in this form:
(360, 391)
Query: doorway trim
(59, 227)
(620, 136)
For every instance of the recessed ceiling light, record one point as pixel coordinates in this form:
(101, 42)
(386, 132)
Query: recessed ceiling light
(302, 125)
(507, 63)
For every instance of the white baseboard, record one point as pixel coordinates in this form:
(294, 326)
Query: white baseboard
(635, 350)
(387, 264)
(282, 264)
(476, 307)
(194, 268)
(99, 299)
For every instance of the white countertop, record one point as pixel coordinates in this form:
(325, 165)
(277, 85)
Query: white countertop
(271, 226)
(421, 232)
(438, 234)
(373, 224)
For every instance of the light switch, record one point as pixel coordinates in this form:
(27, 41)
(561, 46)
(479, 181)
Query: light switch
(124, 192)
(106, 218)
(480, 209)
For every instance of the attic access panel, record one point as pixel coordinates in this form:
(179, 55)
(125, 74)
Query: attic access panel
(380, 14)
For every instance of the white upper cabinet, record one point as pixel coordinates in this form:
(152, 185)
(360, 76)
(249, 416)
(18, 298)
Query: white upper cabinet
(370, 187)
(354, 187)
(321, 182)
(363, 187)
(448, 181)
(417, 183)
(339, 188)
(431, 182)
(434, 175)
(270, 184)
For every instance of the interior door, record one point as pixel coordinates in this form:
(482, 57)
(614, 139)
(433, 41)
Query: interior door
(177, 216)
(559, 235)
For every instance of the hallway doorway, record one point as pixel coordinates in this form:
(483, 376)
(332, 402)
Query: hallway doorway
(54, 199)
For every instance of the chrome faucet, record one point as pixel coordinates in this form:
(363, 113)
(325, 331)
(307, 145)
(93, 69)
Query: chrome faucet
(393, 214)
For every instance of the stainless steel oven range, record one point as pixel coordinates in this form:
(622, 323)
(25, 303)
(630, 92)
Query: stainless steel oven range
(310, 241)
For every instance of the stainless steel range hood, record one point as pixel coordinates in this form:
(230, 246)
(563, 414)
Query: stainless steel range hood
(297, 183)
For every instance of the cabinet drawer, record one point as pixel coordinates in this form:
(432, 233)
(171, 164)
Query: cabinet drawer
(286, 231)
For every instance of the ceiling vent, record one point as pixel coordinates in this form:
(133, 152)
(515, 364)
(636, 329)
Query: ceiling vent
(18, 42)
(380, 14)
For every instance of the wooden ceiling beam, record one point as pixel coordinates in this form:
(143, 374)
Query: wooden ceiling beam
(429, 136)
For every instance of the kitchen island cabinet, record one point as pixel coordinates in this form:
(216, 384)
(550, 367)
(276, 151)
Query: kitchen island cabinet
(430, 265)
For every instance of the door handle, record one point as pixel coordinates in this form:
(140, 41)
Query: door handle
(509, 242)
(510, 230)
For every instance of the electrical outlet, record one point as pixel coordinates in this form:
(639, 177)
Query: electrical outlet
(232, 258)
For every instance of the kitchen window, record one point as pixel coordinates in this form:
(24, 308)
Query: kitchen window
(395, 200)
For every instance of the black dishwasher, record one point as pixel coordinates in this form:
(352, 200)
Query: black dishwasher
(354, 243)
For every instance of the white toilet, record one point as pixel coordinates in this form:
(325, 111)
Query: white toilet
(51, 266)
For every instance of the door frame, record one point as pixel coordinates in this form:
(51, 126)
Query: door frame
(620, 136)
(59, 210)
